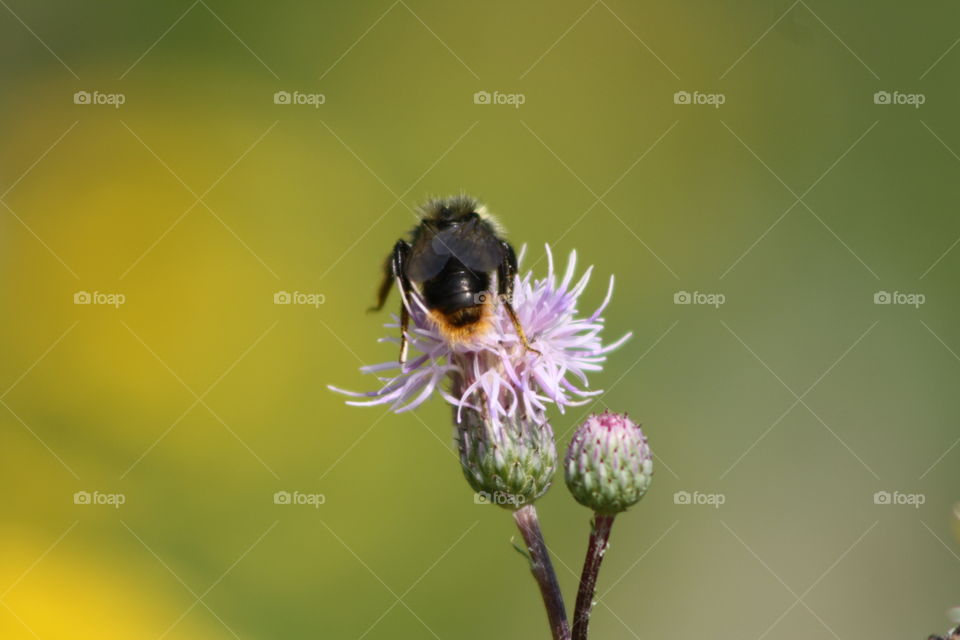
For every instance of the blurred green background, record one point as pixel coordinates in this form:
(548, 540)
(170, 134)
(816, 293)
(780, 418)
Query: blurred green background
(198, 398)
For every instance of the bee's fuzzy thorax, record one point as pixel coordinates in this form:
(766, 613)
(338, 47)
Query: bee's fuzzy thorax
(458, 206)
(492, 220)
(461, 204)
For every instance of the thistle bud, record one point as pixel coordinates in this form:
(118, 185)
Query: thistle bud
(510, 464)
(609, 463)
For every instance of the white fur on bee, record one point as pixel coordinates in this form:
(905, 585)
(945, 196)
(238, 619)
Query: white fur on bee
(461, 204)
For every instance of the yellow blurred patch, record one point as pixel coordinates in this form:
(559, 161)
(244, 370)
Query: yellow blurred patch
(67, 595)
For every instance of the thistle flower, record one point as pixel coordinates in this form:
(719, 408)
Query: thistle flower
(510, 467)
(494, 373)
(609, 464)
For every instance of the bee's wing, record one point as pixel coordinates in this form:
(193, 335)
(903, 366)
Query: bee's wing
(424, 261)
(473, 243)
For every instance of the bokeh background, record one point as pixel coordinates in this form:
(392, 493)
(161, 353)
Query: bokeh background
(198, 398)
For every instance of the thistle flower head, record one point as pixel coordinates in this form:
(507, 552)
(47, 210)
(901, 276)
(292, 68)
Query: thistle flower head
(609, 464)
(494, 373)
(510, 467)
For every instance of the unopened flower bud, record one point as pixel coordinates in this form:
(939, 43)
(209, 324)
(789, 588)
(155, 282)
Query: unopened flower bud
(511, 464)
(609, 464)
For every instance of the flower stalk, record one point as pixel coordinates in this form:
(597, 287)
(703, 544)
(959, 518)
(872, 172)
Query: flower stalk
(596, 550)
(542, 569)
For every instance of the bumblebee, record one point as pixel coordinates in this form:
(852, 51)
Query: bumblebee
(450, 262)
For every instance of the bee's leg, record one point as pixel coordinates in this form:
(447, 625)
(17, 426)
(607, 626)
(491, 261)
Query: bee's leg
(506, 273)
(404, 322)
(398, 263)
(384, 290)
(519, 328)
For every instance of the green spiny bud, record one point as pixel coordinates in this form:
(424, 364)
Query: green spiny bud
(609, 464)
(510, 464)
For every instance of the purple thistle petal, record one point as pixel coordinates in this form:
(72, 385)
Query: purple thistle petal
(606, 301)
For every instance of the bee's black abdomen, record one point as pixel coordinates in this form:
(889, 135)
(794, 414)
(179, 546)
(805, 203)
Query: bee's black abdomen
(456, 287)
